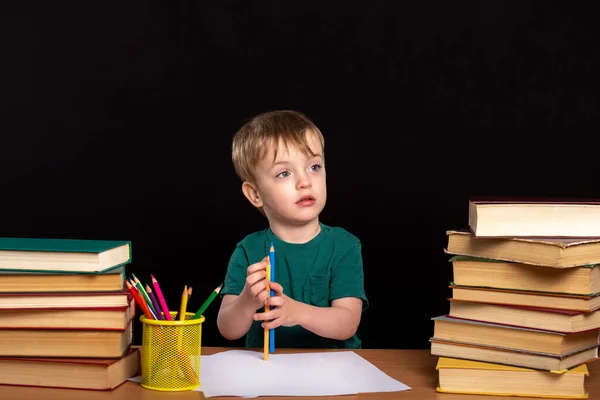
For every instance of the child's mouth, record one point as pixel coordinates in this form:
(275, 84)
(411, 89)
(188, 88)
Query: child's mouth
(306, 201)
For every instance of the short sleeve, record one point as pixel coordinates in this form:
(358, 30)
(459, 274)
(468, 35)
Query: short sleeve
(347, 277)
(235, 277)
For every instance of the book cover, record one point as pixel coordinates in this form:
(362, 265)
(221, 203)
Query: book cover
(60, 245)
(51, 255)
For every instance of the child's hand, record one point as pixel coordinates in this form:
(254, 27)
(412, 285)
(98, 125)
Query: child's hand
(283, 310)
(256, 284)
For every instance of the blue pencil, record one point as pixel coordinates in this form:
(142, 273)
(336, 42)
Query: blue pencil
(272, 262)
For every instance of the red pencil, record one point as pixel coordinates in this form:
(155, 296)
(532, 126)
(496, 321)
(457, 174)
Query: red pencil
(141, 303)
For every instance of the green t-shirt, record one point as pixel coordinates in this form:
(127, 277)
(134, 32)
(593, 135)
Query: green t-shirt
(326, 268)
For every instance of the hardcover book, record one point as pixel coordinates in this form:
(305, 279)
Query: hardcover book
(63, 255)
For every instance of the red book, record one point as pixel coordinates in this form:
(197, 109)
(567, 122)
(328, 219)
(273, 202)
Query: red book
(68, 300)
(70, 373)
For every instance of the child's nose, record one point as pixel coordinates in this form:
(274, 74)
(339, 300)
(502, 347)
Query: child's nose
(303, 181)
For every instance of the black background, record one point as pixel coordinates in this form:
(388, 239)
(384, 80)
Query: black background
(117, 120)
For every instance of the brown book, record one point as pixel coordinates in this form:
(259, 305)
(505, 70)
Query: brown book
(515, 357)
(103, 318)
(489, 334)
(559, 301)
(31, 282)
(529, 217)
(549, 252)
(65, 300)
(482, 272)
(70, 373)
(528, 317)
(481, 378)
(84, 343)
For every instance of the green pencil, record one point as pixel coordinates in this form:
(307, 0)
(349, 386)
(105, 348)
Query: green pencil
(207, 302)
(143, 292)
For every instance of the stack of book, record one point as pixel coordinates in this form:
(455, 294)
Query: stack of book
(524, 314)
(65, 315)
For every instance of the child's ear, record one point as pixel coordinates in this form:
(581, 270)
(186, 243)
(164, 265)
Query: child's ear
(252, 194)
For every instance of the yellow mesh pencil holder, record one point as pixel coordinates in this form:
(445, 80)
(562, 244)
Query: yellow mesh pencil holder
(171, 353)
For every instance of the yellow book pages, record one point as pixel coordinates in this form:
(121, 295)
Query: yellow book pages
(440, 390)
(455, 363)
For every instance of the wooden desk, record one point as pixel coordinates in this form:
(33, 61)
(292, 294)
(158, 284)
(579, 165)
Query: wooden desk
(416, 368)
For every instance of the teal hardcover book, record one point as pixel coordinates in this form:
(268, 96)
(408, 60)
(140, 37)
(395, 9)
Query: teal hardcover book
(49, 255)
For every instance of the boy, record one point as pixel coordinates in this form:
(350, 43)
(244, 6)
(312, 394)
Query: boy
(319, 293)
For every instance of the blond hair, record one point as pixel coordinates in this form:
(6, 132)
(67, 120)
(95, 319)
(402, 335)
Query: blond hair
(265, 131)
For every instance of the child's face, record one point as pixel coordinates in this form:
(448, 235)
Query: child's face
(292, 187)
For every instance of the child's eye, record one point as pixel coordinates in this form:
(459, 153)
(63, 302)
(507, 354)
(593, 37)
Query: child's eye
(283, 174)
(315, 167)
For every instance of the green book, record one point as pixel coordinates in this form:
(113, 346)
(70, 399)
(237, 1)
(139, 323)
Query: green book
(46, 255)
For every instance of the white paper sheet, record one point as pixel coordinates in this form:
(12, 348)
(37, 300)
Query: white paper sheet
(243, 373)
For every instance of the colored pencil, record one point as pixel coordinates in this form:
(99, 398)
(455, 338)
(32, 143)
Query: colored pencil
(161, 299)
(207, 302)
(143, 299)
(154, 303)
(189, 294)
(267, 309)
(139, 301)
(144, 294)
(183, 307)
(132, 282)
(148, 306)
(272, 262)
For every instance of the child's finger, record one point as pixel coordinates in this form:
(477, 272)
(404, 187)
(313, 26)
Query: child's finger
(264, 316)
(277, 288)
(275, 301)
(263, 295)
(257, 266)
(255, 277)
(271, 325)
